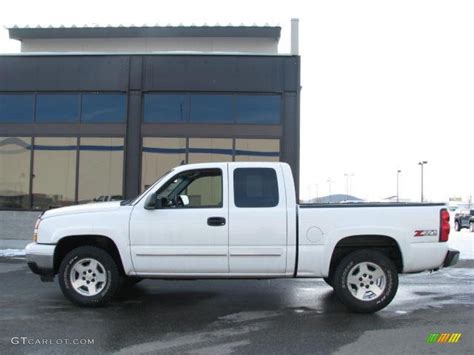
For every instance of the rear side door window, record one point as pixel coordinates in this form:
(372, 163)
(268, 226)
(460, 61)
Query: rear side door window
(255, 187)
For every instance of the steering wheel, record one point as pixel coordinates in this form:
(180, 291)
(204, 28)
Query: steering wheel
(178, 201)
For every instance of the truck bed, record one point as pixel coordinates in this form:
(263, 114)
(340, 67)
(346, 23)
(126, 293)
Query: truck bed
(324, 227)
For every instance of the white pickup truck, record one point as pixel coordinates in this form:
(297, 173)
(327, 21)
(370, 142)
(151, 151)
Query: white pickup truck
(237, 220)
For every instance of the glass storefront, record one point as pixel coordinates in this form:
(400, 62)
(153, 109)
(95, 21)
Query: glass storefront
(160, 155)
(16, 108)
(47, 172)
(165, 108)
(57, 107)
(54, 172)
(100, 169)
(15, 154)
(69, 170)
(212, 108)
(103, 108)
(98, 107)
(257, 150)
(202, 150)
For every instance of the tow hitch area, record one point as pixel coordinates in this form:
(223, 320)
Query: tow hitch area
(452, 258)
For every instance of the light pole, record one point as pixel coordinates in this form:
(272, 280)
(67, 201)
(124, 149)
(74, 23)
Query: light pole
(421, 164)
(329, 186)
(348, 184)
(398, 180)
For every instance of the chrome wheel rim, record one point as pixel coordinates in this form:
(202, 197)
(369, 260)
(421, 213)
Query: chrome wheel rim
(88, 277)
(366, 281)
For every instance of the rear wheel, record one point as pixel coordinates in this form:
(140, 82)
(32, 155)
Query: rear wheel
(366, 281)
(89, 276)
(457, 226)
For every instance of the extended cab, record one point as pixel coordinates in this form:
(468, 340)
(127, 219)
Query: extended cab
(238, 220)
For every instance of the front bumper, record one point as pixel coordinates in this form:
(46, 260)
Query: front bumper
(40, 259)
(452, 258)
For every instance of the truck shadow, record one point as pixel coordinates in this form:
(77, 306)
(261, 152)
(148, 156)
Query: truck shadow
(140, 294)
(165, 295)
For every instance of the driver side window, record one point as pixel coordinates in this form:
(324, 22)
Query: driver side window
(193, 189)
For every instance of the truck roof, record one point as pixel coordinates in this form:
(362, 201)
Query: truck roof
(234, 163)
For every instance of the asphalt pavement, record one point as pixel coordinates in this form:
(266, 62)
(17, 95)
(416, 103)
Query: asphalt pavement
(293, 316)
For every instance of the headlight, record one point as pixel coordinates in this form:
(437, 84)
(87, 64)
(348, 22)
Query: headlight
(35, 231)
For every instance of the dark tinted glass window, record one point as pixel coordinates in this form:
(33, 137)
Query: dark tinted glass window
(263, 109)
(57, 108)
(255, 187)
(212, 108)
(165, 108)
(16, 108)
(15, 159)
(54, 172)
(103, 108)
(100, 169)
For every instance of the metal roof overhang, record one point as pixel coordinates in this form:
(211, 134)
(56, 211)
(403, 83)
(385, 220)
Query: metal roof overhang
(272, 32)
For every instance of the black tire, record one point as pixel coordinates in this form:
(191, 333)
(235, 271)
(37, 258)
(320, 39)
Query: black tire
(457, 226)
(329, 280)
(113, 280)
(351, 261)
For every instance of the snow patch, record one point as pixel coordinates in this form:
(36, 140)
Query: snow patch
(464, 242)
(12, 252)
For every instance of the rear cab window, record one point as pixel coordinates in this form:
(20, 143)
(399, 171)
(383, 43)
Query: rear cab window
(255, 188)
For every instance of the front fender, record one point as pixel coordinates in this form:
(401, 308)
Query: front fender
(113, 225)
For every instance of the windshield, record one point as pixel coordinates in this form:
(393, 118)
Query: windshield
(136, 199)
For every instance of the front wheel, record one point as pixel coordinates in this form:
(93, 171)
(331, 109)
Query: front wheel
(329, 280)
(366, 281)
(89, 276)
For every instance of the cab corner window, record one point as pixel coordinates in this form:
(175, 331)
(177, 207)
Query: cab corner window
(255, 187)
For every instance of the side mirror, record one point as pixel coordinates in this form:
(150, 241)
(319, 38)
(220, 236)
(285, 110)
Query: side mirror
(153, 202)
(184, 199)
(150, 203)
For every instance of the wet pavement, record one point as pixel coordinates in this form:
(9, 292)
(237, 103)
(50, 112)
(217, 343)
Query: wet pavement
(220, 317)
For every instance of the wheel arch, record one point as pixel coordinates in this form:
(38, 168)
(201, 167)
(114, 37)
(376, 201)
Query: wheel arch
(382, 243)
(68, 243)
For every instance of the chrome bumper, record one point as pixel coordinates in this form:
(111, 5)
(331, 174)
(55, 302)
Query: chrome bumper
(40, 259)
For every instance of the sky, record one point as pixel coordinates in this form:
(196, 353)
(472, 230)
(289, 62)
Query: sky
(385, 84)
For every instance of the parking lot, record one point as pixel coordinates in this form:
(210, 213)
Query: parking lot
(261, 316)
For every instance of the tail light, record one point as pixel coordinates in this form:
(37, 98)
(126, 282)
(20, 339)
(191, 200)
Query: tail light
(444, 226)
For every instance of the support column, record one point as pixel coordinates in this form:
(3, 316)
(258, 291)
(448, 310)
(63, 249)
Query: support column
(290, 142)
(133, 142)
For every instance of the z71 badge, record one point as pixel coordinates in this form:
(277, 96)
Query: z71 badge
(426, 233)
